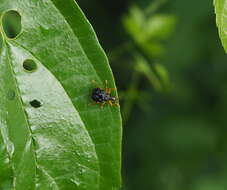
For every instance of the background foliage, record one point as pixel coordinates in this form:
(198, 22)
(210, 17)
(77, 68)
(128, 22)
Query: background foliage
(170, 68)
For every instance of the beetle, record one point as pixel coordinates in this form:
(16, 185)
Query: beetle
(102, 96)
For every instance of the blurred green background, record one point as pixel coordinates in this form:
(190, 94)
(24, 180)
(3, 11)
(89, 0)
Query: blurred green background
(171, 73)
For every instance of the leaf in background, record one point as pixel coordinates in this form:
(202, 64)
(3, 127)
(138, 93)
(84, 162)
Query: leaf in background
(149, 31)
(221, 20)
(143, 67)
(50, 138)
(134, 22)
(160, 26)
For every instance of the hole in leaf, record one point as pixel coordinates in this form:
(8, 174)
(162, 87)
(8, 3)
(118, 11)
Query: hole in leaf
(29, 65)
(35, 103)
(11, 95)
(11, 22)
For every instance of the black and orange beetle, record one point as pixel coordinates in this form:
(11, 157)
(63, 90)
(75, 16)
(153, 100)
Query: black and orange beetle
(102, 96)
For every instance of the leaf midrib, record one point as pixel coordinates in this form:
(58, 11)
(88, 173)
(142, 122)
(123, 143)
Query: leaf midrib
(22, 107)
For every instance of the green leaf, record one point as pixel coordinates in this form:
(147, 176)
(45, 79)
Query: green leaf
(50, 137)
(221, 20)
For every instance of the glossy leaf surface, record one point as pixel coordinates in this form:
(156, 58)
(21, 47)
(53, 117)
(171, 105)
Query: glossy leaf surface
(50, 137)
(221, 20)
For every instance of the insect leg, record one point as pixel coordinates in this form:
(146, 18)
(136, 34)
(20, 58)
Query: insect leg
(102, 104)
(106, 83)
(108, 90)
(95, 83)
(93, 103)
(109, 102)
(116, 104)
